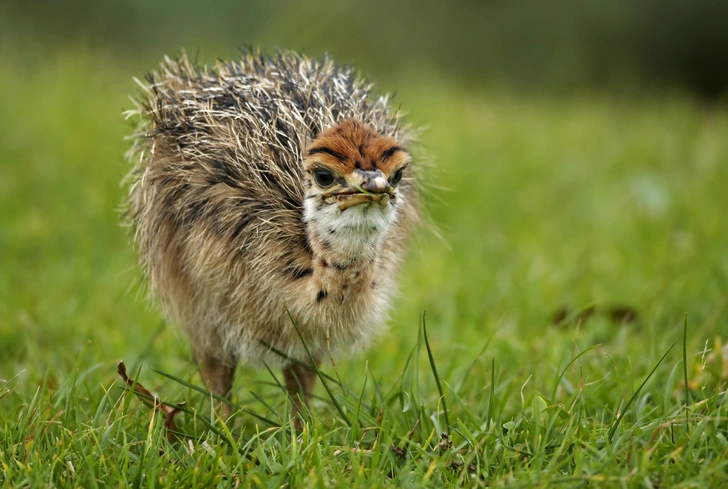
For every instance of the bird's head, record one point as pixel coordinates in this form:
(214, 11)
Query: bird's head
(353, 178)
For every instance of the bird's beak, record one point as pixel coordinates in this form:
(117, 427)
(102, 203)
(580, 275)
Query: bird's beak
(372, 181)
(364, 187)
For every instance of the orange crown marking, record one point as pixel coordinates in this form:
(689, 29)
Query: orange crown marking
(351, 145)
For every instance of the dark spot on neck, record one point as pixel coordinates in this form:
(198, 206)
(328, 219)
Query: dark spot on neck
(374, 284)
(321, 295)
(332, 230)
(339, 266)
(324, 263)
(357, 165)
(298, 273)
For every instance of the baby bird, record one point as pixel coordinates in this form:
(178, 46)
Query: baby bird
(269, 185)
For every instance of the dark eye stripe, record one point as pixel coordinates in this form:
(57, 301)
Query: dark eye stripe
(388, 153)
(327, 151)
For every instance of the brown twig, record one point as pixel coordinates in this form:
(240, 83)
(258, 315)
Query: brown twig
(143, 393)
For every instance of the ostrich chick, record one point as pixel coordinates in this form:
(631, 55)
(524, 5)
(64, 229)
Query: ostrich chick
(269, 185)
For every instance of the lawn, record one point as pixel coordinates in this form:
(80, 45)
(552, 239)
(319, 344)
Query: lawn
(572, 274)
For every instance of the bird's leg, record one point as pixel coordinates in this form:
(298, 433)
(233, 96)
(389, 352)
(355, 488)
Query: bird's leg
(218, 376)
(300, 382)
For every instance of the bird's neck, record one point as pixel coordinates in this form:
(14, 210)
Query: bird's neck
(346, 248)
(349, 238)
(344, 267)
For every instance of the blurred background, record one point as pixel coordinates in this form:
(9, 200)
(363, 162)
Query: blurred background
(578, 151)
(555, 45)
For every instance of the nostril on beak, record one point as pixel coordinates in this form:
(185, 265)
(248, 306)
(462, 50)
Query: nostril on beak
(376, 184)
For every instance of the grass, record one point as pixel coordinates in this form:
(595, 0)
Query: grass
(543, 204)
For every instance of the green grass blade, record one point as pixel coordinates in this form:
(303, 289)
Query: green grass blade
(434, 372)
(216, 397)
(298, 362)
(466, 372)
(685, 366)
(356, 430)
(318, 372)
(277, 382)
(464, 407)
(558, 381)
(492, 393)
(268, 406)
(614, 427)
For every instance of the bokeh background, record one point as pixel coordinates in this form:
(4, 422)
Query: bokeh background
(557, 45)
(578, 156)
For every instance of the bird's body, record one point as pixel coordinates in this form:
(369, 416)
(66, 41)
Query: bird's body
(268, 185)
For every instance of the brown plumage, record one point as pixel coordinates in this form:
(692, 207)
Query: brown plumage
(264, 184)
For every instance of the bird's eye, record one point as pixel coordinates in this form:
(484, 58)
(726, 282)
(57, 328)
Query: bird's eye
(396, 177)
(323, 178)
